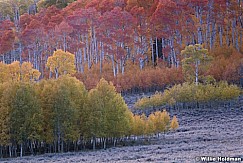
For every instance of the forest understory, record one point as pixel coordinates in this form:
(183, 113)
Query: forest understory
(208, 132)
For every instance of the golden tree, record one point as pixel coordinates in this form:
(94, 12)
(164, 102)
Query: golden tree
(174, 123)
(61, 63)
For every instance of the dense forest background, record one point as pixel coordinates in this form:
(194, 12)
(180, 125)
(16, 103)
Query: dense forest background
(115, 39)
(138, 45)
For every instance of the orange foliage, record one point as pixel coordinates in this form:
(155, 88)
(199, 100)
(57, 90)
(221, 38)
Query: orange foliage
(226, 65)
(133, 77)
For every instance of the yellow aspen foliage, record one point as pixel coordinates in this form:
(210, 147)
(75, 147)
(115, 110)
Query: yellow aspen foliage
(4, 120)
(3, 72)
(165, 117)
(14, 71)
(61, 63)
(46, 91)
(150, 125)
(139, 125)
(155, 100)
(174, 123)
(4, 126)
(106, 114)
(28, 73)
(161, 121)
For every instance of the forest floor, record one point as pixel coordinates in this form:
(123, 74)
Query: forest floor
(208, 132)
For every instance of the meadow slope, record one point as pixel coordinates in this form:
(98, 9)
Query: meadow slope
(208, 132)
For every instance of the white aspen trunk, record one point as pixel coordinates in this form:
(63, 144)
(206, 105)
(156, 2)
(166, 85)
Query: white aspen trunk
(104, 143)
(56, 72)
(122, 67)
(20, 53)
(101, 57)
(12, 54)
(141, 63)
(163, 46)
(96, 49)
(29, 58)
(227, 36)
(102, 51)
(41, 68)
(10, 151)
(94, 142)
(221, 35)
(50, 75)
(209, 32)
(113, 65)
(80, 60)
(193, 39)
(101, 64)
(151, 42)
(157, 50)
(87, 52)
(196, 73)
(21, 150)
(213, 35)
(173, 54)
(199, 16)
(144, 45)
(34, 64)
(91, 47)
(117, 68)
(114, 142)
(76, 61)
(84, 49)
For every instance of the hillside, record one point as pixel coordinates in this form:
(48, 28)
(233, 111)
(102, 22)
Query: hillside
(216, 132)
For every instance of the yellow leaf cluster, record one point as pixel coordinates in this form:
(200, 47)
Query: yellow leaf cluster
(61, 63)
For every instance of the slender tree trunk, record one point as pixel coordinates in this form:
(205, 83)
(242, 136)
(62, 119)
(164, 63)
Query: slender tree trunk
(101, 59)
(10, 150)
(152, 47)
(163, 46)
(113, 65)
(157, 50)
(104, 143)
(227, 36)
(64, 42)
(94, 142)
(21, 150)
(62, 146)
(114, 142)
(221, 35)
(196, 72)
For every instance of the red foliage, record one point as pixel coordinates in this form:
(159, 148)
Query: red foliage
(7, 36)
(227, 67)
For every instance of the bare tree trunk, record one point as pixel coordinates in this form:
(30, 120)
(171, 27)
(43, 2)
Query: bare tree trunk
(152, 47)
(157, 50)
(94, 142)
(196, 73)
(221, 35)
(21, 150)
(113, 65)
(104, 143)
